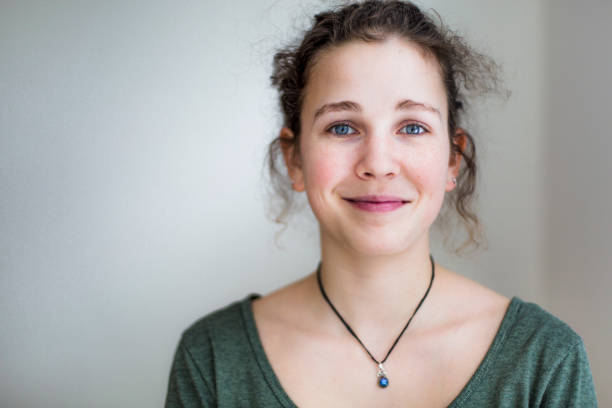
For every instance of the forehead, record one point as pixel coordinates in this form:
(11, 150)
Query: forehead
(376, 75)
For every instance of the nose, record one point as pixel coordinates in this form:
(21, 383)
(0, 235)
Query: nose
(376, 159)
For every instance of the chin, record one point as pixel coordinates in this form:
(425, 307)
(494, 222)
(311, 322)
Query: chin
(379, 251)
(381, 245)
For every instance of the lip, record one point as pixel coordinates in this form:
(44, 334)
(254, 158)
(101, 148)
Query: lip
(376, 199)
(376, 203)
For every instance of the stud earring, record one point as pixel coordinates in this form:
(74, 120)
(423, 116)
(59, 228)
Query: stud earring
(293, 184)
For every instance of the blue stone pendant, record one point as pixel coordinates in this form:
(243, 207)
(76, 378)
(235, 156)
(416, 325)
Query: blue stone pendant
(383, 381)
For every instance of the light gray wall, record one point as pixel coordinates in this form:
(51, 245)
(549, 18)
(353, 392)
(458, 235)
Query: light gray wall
(132, 138)
(509, 143)
(578, 177)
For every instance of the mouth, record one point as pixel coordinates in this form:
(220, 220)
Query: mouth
(376, 199)
(377, 203)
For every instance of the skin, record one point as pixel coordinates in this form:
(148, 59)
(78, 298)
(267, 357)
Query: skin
(375, 262)
(375, 266)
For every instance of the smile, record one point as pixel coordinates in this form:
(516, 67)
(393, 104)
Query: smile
(378, 205)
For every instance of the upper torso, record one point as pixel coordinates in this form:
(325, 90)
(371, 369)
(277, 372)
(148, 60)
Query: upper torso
(429, 366)
(246, 355)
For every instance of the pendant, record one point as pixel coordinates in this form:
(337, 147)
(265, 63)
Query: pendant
(383, 381)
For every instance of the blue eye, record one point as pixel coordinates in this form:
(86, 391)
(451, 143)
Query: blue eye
(414, 129)
(341, 129)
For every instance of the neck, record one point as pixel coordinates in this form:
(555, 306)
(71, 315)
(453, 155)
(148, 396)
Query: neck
(376, 295)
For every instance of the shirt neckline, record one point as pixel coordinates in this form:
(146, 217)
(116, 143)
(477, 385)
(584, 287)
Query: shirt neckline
(284, 399)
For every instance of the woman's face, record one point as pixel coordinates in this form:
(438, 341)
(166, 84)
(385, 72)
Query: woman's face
(374, 128)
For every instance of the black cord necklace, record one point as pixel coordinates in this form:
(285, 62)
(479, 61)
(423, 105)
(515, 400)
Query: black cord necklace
(381, 376)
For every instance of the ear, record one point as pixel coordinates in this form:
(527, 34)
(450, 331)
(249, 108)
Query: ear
(291, 157)
(458, 144)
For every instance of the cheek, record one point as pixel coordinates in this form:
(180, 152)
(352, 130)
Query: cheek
(430, 171)
(323, 170)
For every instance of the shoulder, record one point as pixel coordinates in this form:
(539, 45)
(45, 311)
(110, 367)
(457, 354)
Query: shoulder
(535, 358)
(526, 324)
(529, 321)
(215, 349)
(531, 327)
(546, 356)
(222, 327)
(534, 343)
(466, 302)
(532, 315)
(520, 328)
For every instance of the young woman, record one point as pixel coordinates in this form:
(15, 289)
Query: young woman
(372, 100)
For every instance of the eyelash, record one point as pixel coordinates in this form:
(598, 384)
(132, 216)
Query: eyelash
(330, 129)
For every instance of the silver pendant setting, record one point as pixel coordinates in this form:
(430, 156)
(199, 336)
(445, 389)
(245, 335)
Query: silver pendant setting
(383, 381)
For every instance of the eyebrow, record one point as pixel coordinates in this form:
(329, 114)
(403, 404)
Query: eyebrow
(405, 104)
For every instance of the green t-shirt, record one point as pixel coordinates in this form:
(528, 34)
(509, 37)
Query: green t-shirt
(535, 360)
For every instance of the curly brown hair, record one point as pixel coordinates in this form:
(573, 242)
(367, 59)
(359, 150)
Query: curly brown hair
(465, 73)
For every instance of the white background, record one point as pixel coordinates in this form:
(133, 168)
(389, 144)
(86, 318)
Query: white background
(132, 197)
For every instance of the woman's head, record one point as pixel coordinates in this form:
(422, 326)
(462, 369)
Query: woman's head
(449, 60)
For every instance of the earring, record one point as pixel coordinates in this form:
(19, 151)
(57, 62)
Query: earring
(454, 180)
(293, 184)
